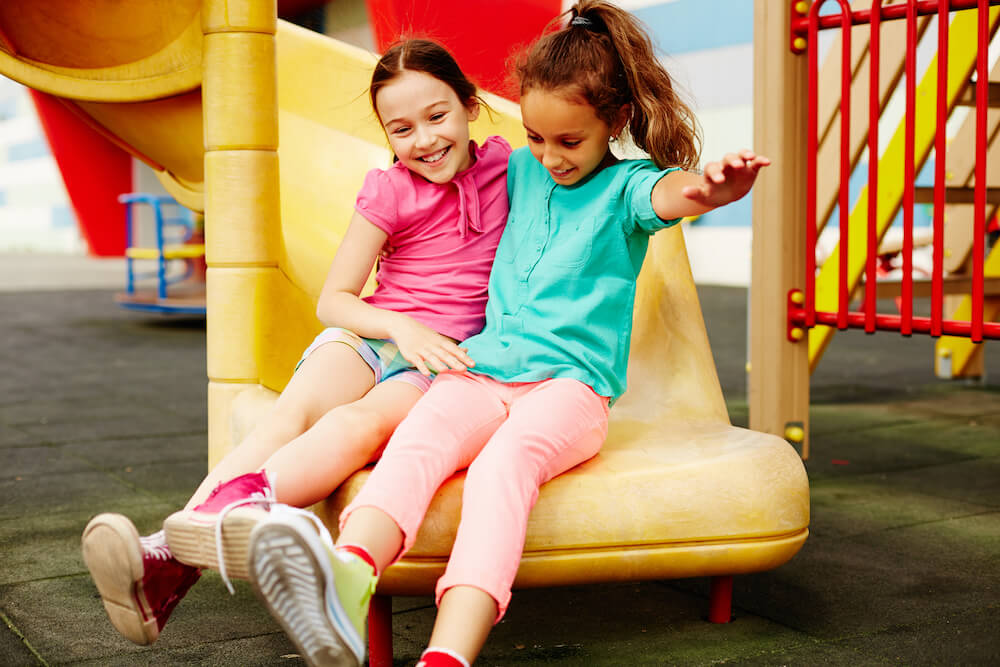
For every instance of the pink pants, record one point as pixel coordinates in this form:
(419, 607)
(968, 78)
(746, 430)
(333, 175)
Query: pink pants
(512, 437)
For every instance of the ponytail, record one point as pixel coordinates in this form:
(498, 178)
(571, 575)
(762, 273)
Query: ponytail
(603, 55)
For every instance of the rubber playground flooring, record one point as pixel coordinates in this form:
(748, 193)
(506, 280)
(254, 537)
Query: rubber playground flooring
(104, 410)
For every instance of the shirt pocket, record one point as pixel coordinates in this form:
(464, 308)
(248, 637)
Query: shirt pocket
(512, 240)
(571, 245)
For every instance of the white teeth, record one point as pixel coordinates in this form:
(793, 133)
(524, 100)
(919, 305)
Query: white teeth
(434, 157)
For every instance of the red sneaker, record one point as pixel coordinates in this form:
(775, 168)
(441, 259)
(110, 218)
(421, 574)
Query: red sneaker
(215, 534)
(139, 581)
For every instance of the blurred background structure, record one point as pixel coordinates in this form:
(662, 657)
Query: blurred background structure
(707, 45)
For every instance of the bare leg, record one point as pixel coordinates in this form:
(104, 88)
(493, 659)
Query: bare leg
(334, 374)
(464, 620)
(311, 466)
(123, 564)
(374, 530)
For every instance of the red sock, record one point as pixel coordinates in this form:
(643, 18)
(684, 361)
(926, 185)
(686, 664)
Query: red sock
(360, 552)
(441, 657)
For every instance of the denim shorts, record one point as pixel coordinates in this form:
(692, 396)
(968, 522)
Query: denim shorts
(382, 356)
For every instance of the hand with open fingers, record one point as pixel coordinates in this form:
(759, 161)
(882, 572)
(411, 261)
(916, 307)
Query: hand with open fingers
(728, 179)
(426, 349)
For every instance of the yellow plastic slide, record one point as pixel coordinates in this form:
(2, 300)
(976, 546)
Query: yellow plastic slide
(676, 492)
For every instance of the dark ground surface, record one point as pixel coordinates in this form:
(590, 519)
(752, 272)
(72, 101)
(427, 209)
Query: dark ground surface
(104, 410)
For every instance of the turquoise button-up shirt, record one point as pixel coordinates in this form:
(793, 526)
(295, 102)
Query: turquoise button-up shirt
(562, 287)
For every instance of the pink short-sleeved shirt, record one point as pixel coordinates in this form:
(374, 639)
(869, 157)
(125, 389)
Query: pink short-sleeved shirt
(442, 239)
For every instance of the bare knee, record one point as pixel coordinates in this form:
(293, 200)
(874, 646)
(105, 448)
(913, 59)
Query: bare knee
(357, 428)
(290, 420)
(294, 417)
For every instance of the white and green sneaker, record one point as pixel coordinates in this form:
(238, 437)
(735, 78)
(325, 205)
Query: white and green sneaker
(318, 595)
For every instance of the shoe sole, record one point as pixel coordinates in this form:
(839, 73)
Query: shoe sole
(113, 554)
(290, 578)
(191, 537)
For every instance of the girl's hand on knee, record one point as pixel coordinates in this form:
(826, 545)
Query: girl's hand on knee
(728, 179)
(426, 349)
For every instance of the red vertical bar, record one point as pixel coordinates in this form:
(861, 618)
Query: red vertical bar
(844, 292)
(937, 276)
(720, 602)
(979, 227)
(812, 149)
(380, 631)
(874, 111)
(906, 300)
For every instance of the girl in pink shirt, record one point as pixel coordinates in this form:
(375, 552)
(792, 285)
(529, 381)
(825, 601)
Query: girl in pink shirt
(432, 221)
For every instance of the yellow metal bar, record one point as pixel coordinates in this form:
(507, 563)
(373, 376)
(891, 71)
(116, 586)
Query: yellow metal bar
(962, 46)
(185, 251)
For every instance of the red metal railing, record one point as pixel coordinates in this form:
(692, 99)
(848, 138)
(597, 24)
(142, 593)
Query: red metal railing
(802, 309)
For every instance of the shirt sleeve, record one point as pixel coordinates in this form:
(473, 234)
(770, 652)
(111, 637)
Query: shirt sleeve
(376, 201)
(639, 195)
(494, 156)
(500, 146)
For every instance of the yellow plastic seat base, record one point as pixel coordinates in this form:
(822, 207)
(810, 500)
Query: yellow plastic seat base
(418, 576)
(661, 501)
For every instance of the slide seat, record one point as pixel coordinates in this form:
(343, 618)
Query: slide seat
(702, 499)
(676, 491)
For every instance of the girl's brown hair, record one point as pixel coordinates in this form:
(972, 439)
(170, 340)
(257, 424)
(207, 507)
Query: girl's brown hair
(422, 55)
(604, 55)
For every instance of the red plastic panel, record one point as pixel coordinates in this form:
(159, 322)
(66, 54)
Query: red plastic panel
(95, 172)
(482, 34)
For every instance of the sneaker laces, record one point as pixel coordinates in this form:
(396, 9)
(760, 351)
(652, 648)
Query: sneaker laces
(155, 546)
(265, 497)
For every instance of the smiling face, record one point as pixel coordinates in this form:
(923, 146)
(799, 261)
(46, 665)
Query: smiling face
(427, 125)
(564, 134)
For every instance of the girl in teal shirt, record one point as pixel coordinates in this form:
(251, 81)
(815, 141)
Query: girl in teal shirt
(550, 360)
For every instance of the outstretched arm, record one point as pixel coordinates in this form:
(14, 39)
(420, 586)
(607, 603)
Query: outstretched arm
(341, 306)
(684, 193)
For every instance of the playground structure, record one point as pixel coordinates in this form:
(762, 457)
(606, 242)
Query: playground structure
(177, 240)
(816, 122)
(222, 100)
